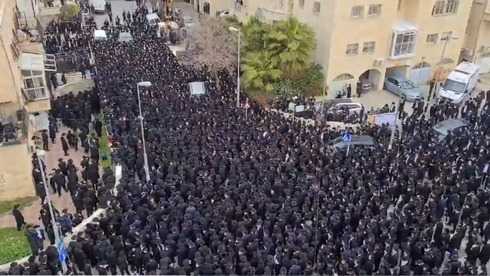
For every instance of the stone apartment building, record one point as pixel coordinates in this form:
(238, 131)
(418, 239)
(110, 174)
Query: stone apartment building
(24, 95)
(369, 39)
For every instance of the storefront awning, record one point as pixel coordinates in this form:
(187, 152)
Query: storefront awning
(38, 106)
(405, 27)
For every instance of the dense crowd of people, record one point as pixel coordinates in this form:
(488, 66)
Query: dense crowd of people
(261, 194)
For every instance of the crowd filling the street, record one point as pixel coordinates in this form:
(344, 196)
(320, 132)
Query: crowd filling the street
(209, 188)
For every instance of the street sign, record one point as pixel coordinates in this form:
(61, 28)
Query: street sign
(62, 252)
(347, 138)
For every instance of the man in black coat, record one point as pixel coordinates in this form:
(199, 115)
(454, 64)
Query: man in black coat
(52, 132)
(19, 218)
(60, 181)
(45, 138)
(64, 144)
(484, 255)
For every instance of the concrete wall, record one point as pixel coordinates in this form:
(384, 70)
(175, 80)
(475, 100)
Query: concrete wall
(15, 172)
(11, 81)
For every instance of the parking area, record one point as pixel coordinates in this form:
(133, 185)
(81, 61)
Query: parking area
(377, 99)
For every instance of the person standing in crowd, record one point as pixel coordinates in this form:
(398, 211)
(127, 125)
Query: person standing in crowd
(19, 218)
(45, 139)
(64, 144)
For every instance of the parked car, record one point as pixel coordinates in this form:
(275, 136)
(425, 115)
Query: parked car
(443, 128)
(223, 14)
(125, 37)
(403, 88)
(336, 105)
(365, 85)
(356, 140)
(99, 5)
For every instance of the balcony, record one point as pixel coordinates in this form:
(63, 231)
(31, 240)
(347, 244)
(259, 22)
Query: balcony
(35, 94)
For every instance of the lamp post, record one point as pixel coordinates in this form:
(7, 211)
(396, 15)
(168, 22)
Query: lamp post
(145, 155)
(58, 241)
(447, 38)
(233, 29)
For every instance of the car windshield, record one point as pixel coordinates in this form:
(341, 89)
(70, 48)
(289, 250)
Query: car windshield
(336, 141)
(407, 85)
(441, 128)
(454, 86)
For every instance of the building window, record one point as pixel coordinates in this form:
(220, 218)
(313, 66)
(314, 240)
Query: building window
(374, 10)
(445, 35)
(357, 12)
(352, 49)
(369, 47)
(301, 3)
(432, 38)
(403, 44)
(316, 7)
(442, 7)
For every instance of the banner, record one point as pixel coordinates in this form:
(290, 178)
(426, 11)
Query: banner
(384, 118)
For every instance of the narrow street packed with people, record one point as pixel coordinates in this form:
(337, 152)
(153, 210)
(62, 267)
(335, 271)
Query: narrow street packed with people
(209, 188)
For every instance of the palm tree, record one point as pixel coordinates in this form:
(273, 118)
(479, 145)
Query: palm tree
(259, 72)
(255, 34)
(291, 45)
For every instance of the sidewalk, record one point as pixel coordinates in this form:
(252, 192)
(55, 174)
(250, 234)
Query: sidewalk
(31, 213)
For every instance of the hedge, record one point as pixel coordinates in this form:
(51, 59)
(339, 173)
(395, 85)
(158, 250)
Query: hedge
(104, 144)
(13, 245)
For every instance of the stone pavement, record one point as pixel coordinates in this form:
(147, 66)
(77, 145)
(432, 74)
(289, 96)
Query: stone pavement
(31, 213)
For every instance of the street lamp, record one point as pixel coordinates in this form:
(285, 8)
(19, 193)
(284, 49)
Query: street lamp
(145, 155)
(59, 242)
(233, 29)
(447, 38)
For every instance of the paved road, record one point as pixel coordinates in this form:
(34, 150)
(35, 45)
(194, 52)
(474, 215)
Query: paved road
(118, 7)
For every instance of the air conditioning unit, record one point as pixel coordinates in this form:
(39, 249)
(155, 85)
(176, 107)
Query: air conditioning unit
(378, 62)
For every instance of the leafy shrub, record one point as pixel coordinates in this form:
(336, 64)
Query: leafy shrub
(308, 83)
(13, 245)
(104, 145)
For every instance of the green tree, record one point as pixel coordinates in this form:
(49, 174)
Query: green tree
(255, 34)
(69, 11)
(259, 72)
(291, 45)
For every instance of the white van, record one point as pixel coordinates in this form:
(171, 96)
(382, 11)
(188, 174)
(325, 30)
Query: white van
(460, 83)
(99, 5)
(100, 35)
(153, 19)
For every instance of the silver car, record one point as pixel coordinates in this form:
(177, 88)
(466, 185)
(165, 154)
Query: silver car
(356, 140)
(403, 88)
(443, 128)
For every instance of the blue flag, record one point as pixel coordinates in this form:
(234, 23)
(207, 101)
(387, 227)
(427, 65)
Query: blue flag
(62, 252)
